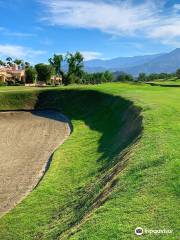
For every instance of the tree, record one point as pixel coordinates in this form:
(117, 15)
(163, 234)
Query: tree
(88, 78)
(19, 63)
(123, 77)
(97, 78)
(30, 75)
(56, 63)
(9, 61)
(178, 73)
(2, 63)
(129, 78)
(108, 76)
(75, 67)
(142, 77)
(163, 76)
(152, 77)
(44, 72)
(27, 64)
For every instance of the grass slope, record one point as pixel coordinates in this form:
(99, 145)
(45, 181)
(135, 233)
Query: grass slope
(92, 171)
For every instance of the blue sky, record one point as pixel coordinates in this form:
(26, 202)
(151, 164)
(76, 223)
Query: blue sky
(36, 29)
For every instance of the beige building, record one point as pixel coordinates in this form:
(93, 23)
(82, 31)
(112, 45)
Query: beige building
(2, 75)
(11, 73)
(56, 80)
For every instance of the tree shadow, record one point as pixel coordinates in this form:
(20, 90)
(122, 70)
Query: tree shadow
(116, 118)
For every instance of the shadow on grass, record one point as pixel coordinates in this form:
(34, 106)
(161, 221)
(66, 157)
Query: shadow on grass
(117, 119)
(120, 125)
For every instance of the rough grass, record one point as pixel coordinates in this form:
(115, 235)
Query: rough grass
(92, 192)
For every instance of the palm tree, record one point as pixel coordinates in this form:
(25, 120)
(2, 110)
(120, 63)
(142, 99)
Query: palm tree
(27, 64)
(19, 63)
(9, 59)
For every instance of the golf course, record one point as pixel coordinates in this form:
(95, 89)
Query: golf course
(117, 170)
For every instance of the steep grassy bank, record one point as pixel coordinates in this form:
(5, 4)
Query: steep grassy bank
(147, 193)
(84, 170)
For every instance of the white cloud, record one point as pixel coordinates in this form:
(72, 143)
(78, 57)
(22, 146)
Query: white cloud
(166, 29)
(18, 51)
(91, 55)
(168, 32)
(120, 18)
(115, 18)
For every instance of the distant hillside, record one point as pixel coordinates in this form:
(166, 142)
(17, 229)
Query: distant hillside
(165, 62)
(168, 63)
(119, 63)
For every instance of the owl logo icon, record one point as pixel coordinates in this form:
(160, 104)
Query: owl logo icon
(138, 231)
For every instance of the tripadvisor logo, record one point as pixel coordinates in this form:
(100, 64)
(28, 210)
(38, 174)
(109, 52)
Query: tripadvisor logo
(139, 231)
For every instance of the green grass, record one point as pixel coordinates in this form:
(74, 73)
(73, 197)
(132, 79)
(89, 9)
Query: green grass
(170, 81)
(21, 88)
(143, 185)
(15, 88)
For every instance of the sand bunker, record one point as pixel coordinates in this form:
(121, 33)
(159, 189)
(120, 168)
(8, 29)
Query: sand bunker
(27, 141)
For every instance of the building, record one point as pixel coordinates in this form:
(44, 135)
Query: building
(3, 75)
(14, 73)
(11, 73)
(56, 80)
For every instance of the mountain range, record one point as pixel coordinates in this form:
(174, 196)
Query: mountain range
(157, 63)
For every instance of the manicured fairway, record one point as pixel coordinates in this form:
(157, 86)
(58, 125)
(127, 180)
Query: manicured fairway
(117, 171)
